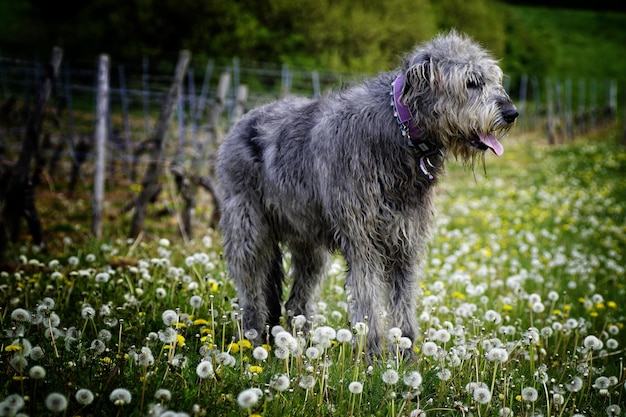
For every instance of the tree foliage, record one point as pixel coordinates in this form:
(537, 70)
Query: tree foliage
(353, 35)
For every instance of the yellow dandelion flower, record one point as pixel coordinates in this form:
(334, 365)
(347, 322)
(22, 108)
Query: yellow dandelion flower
(266, 347)
(458, 295)
(200, 322)
(507, 307)
(581, 300)
(19, 378)
(518, 397)
(593, 314)
(255, 369)
(13, 348)
(105, 360)
(213, 285)
(245, 344)
(179, 325)
(600, 306)
(427, 292)
(180, 340)
(206, 330)
(556, 312)
(487, 252)
(567, 307)
(611, 304)
(233, 347)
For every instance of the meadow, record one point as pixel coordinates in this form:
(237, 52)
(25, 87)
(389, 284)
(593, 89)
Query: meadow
(522, 313)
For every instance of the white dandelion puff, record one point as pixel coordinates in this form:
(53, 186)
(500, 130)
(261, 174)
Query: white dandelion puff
(355, 387)
(120, 396)
(280, 382)
(260, 353)
(205, 369)
(412, 379)
(530, 394)
(390, 377)
(84, 396)
(56, 402)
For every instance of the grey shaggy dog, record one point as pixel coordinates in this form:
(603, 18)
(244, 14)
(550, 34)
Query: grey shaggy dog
(354, 171)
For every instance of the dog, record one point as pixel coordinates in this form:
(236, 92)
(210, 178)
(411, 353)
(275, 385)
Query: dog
(354, 171)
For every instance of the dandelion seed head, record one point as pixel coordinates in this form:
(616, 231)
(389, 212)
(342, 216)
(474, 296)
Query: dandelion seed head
(280, 382)
(84, 396)
(405, 343)
(281, 352)
(37, 372)
(429, 348)
(307, 382)
(575, 384)
(169, 317)
(163, 395)
(21, 315)
(390, 377)
(248, 398)
(482, 395)
(394, 333)
(591, 342)
(355, 387)
(205, 369)
(251, 334)
(120, 396)
(196, 301)
(412, 379)
(613, 410)
(530, 394)
(312, 353)
(260, 353)
(56, 402)
(344, 336)
(298, 322)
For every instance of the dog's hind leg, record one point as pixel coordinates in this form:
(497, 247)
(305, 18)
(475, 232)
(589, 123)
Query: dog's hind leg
(254, 264)
(307, 264)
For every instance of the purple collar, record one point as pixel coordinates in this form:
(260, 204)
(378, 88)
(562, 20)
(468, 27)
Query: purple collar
(410, 130)
(405, 120)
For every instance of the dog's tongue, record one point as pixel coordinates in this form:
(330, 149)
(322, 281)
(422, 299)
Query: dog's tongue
(492, 143)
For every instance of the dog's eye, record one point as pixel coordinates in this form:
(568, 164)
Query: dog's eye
(472, 84)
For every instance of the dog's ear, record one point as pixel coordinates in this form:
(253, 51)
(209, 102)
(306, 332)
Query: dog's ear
(421, 73)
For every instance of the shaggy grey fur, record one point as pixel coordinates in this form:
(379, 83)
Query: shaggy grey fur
(316, 176)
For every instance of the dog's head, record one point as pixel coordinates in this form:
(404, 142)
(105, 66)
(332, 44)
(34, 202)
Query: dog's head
(454, 92)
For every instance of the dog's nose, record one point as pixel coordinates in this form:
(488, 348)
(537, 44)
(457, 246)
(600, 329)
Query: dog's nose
(510, 114)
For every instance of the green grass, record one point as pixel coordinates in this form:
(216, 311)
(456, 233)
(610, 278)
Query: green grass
(526, 265)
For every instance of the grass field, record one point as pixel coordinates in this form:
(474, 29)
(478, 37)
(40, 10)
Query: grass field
(522, 313)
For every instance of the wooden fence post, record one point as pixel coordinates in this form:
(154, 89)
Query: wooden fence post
(150, 185)
(19, 200)
(240, 104)
(102, 113)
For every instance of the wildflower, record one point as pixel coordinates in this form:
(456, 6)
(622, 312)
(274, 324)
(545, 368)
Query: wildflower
(307, 382)
(56, 402)
(298, 322)
(529, 394)
(429, 348)
(163, 395)
(412, 379)
(355, 387)
(168, 335)
(73, 260)
(497, 355)
(280, 382)
(145, 358)
(493, 317)
(444, 374)
(37, 372)
(505, 412)
(312, 353)
(254, 369)
(120, 396)
(613, 410)
(442, 335)
(601, 383)
(591, 342)
(248, 398)
(225, 358)
(90, 257)
(196, 301)
(84, 396)
(36, 353)
(394, 334)
(12, 404)
(205, 369)
(22, 315)
(102, 277)
(98, 346)
(360, 328)
(405, 343)
(284, 339)
(575, 384)
(482, 395)
(344, 336)
(390, 377)
(160, 292)
(250, 334)
(169, 317)
(281, 352)
(260, 353)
